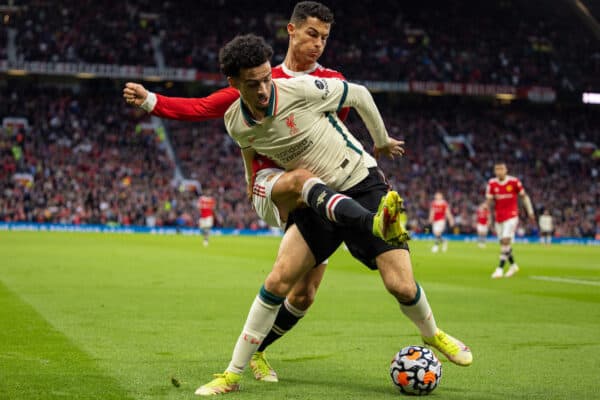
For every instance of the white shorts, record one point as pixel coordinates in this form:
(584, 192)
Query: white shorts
(507, 229)
(482, 229)
(438, 227)
(206, 222)
(261, 196)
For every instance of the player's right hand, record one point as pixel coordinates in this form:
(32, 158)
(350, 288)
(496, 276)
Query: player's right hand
(249, 192)
(134, 94)
(392, 149)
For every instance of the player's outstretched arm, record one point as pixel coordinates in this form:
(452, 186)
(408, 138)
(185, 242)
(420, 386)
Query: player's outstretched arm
(212, 106)
(359, 97)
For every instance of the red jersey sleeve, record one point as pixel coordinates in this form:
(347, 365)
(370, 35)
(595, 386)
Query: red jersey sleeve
(212, 106)
(343, 114)
(519, 186)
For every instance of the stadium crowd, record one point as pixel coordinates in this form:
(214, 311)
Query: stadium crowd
(90, 162)
(87, 158)
(424, 41)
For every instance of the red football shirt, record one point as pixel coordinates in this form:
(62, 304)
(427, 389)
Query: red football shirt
(206, 205)
(439, 208)
(505, 195)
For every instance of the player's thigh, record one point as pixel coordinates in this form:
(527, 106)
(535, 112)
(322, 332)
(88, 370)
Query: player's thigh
(438, 227)
(287, 191)
(264, 206)
(396, 272)
(321, 235)
(506, 230)
(206, 222)
(482, 230)
(294, 260)
(366, 248)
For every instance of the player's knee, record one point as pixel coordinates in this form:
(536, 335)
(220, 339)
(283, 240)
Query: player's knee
(404, 292)
(278, 283)
(304, 298)
(298, 178)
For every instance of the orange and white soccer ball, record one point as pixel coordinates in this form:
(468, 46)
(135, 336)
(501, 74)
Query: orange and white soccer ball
(416, 370)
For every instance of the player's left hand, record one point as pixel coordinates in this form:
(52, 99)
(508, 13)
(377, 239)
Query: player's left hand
(392, 149)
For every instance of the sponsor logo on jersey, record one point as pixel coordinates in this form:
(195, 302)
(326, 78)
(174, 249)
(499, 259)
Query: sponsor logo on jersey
(293, 152)
(319, 84)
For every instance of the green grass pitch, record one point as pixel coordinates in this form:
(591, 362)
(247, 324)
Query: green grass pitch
(102, 316)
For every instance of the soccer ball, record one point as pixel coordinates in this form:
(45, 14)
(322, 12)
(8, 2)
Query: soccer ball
(416, 370)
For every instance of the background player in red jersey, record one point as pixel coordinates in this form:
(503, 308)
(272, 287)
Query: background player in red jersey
(503, 191)
(308, 31)
(482, 221)
(206, 207)
(439, 211)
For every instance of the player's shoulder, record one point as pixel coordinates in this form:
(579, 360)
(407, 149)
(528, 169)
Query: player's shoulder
(323, 72)
(493, 181)
(232, 112)
(291, 85)
(513, 179)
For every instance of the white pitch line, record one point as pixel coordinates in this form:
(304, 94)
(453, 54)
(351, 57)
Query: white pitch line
(566, 280)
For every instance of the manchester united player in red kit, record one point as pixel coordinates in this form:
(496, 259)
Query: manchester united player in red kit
(206, 207)
(482, 221)
(439, 211)
(503, 191)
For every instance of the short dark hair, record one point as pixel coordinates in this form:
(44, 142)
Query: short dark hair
(305, 9)
(244, 51)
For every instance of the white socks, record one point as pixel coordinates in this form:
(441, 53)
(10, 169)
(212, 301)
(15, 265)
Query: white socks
(258, 324)
(419, 312)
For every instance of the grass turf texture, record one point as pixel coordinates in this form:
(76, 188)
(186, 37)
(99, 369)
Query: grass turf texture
(100, 316)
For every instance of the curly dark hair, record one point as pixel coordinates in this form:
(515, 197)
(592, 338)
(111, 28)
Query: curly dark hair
(244, 51)
(305, 9)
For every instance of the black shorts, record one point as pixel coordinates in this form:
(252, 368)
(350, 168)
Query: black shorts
(324, 237)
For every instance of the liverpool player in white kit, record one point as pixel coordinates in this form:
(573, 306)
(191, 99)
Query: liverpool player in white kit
(308, 29)
(503, 191)
(294, 123)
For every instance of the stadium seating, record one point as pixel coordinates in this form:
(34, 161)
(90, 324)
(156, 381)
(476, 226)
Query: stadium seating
(408, 41)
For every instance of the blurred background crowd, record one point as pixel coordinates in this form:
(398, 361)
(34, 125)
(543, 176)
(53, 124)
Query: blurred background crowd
(72, 151)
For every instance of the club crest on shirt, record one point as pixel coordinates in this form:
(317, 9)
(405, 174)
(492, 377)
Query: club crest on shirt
(509, 188)
(289, 121)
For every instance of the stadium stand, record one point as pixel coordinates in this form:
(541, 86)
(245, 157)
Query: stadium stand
(425, 41)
